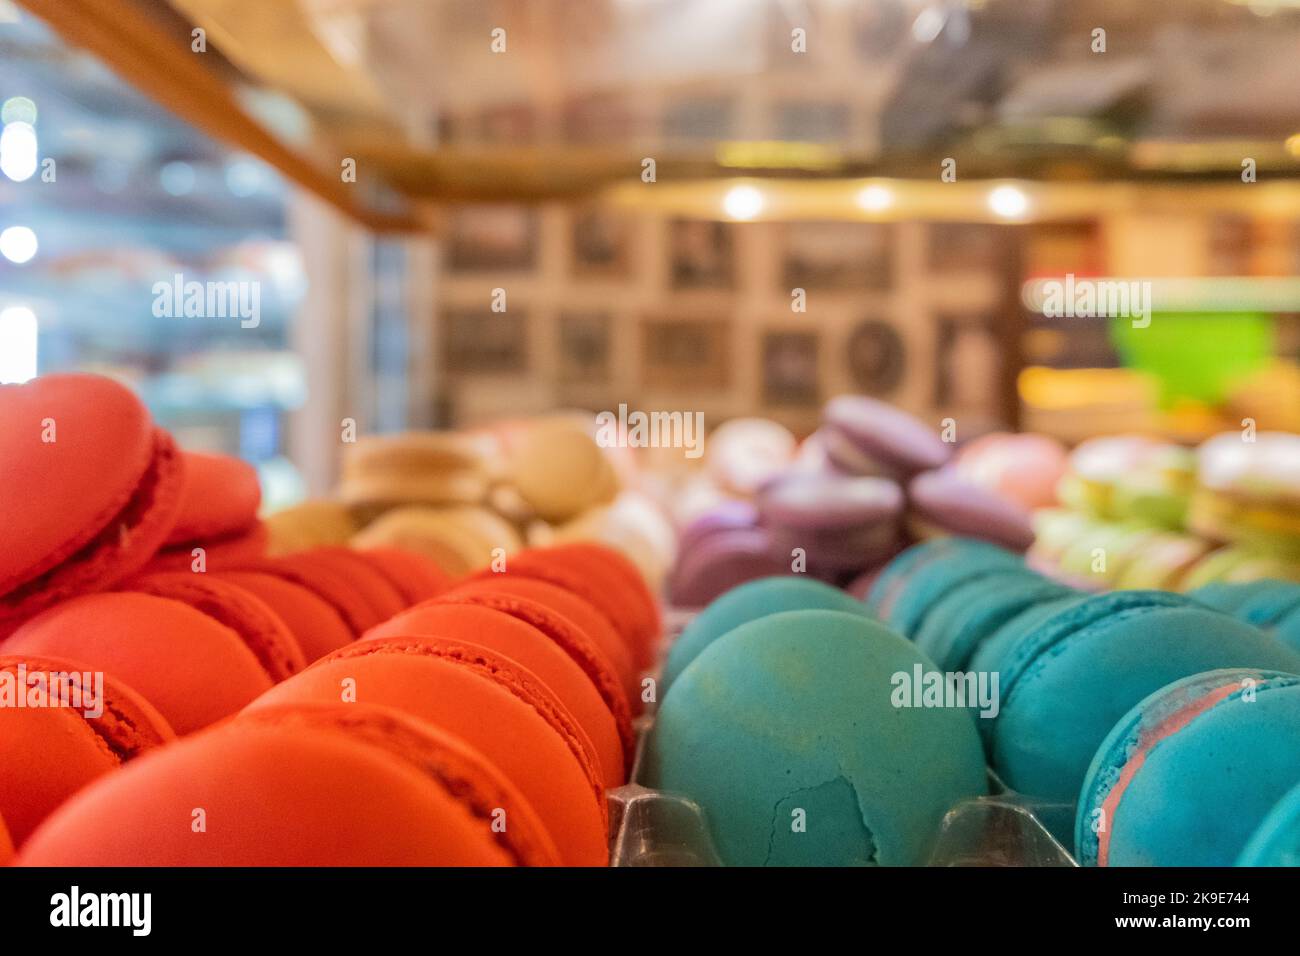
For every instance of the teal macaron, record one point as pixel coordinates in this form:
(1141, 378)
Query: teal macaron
(1065, 685)
(911, 583)
(1190, 773)
(749, 602)
(1277, 840)
(791, 734)
(1269, 604)
(972, 612)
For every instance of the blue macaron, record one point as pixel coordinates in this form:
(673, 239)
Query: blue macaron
(1190, 773)
(1065, 685)
(794, 734)
(1276, 842)
(911, 583)
(749, 602)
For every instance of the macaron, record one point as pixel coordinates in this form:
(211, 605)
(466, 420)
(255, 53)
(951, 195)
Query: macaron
(61, 726)
(560, 470)
(1023, 468)
(562, 658)
(6, 844)
(415, 577)
(971, 613)
(191, 667)
(328, 582)
(259, 627)
(902, 444)
(92, 490)
(720, 561)
(308, 524)
(458, 539)
(432, 468)
(370, 583)
(743, 454)
(635, 525)
(910, 585)
(580, 613)
(492, 703)
(1065, 685)
(213, 554)
(840, 524)
(602, 577)
(943, 502)
(1190, 773)
(315, 624)
(330, 785)
(220, 497)
(1248, 492)
(1276, 842)
(788, 733)
(749, 602)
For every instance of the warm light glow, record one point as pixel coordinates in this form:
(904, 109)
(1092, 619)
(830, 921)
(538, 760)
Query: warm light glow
(743, 202)
(876, 198)
(1008, 202)
(17, 345)
(18, 151)
(1293, 145)
(18, 244)
(18, 109)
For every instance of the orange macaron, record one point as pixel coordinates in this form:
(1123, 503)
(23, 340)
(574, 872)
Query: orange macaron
(492, 703)
(539, 653)
(314, 622)
(328, 785)
(62, 726)
(91, 490)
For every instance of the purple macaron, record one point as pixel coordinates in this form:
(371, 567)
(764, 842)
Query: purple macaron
(942, 501)
(895, 440)
(720, 561)
(841, 524)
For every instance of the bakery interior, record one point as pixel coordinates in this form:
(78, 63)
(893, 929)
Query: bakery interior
(462, 237)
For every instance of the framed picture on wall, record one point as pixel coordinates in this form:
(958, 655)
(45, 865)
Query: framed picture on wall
(685, 352)
(601, 245)
(838, 256)
(701, 254)
(790, 369)
(492, 239)
(969, 366)
(876, 356)
(966, 247)
(585, 347)
(479, 341)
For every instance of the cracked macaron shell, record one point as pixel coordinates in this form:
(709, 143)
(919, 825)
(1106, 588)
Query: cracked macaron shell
(492, 703)
(793, 711)
(1222, 741)
(1064, 686)
(49, 753)
(332, 785)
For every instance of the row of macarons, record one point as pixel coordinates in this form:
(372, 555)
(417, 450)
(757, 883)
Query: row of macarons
(506, 698)
(868, 481)
(787, 696)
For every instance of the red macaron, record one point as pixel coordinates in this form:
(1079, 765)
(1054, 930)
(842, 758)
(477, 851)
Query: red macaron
(535, 650)
(191, 667)
(61, 726)
(496, 706)
(91, 490)
(314, 622)
(332, 785)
